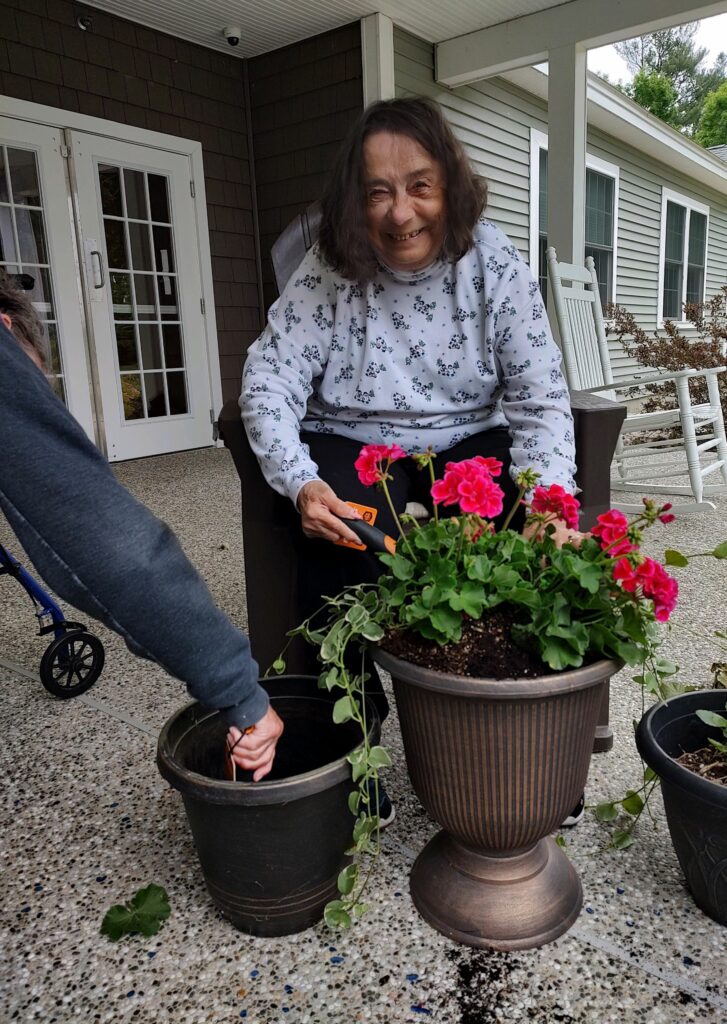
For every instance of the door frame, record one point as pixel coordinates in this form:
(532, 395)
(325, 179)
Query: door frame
(57, 117)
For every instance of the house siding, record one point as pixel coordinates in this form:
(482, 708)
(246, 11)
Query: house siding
(303, 99)
(124, 72)
(494, 119)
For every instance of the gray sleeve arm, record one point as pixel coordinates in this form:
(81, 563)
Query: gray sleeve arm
(105, 553)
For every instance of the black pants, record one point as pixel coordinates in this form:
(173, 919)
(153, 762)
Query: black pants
(324, 569)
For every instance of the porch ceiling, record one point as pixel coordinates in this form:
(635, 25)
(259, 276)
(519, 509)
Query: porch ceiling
(275, 23)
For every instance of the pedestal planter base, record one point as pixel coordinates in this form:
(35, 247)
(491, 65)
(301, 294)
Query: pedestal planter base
(518, 901)
(498, 763)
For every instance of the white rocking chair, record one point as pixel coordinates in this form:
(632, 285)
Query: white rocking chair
(588, 368)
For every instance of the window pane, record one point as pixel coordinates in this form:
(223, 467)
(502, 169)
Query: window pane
(54, 354)
(163, 251)
(146, 307)
(140, 248)
(31, 235)
(158, 198)
(675, 228)
(599, 209)
(672, 291)
(41, 294)
(543, 269)
(151, 355)
(697, 239)
(168, 297)
(8, 251)
(695, 284)
(156, 404)
(126, 347)
(135, 194)
(4, 185)
(172, 346)
(110, 183)
(132, 397)
(116, 244)
(543, 192)
(24, 177)
(121, 296)
(603, 258)
(177, 394)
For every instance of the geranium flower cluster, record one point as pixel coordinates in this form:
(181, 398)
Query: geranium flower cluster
(372, 464)
(470, 485)
(556, 501)
(633, 571)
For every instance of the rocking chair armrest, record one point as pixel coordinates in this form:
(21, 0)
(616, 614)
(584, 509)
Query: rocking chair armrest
(658, 378)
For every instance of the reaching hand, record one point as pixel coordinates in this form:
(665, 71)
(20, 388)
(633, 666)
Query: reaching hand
(255, 750)
(563, 534)
(319, 508)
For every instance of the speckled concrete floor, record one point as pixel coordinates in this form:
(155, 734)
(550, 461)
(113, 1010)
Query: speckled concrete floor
(87, 820)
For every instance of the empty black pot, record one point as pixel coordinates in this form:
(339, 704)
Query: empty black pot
(696, 809)
(270, 851)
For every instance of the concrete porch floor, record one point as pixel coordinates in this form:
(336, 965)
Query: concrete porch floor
(87, 820)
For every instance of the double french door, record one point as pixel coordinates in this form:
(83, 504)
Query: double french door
(107, 230)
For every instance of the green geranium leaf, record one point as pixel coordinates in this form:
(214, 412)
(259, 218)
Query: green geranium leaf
(401, 567)
(347, 879)
(632, 803)
(144, 914)
(589, 576)
(343, 710)
(558, 654)
(672, 557)
(470, 599)
(606, 812)
(335, 916)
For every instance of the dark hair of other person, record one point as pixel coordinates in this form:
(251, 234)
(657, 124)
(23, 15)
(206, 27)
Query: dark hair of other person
(343, 237)
(26, 325)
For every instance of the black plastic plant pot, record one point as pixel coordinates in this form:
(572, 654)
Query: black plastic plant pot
(270, 851)
(696, 809)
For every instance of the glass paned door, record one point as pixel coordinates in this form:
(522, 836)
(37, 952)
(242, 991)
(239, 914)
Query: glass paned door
(36, 241)
(144, 283)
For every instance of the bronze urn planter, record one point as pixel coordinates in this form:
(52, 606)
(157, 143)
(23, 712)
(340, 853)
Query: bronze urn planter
(498, 763)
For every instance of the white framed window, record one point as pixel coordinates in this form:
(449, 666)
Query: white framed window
(601, 213)
(682, 254)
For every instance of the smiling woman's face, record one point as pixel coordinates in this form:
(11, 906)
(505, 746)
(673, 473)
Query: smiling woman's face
(406, 206)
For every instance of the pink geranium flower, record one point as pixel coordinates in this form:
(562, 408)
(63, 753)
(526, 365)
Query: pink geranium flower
(469, 484)
(556, 501)
(369, 464)
(654, 581)
(611, 529)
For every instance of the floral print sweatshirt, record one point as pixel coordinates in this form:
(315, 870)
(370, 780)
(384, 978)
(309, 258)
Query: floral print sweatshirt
(420, 358)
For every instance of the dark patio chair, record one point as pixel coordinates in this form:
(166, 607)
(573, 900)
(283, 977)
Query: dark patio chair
(267, 518)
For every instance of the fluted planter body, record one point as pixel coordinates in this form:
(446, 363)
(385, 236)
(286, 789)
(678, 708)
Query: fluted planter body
(696, 808)
(499, 764)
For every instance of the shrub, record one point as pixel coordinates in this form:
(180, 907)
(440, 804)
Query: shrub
(672, 350)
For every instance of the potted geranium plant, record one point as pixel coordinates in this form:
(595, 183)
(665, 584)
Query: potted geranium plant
(498, 754)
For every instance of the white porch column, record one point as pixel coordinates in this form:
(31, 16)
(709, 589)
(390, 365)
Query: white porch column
(377, 58)
(567, 151)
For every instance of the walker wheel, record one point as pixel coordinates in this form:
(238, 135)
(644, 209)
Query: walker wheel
(72, 663)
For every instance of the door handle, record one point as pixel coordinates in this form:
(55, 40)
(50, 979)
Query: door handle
(99, 279)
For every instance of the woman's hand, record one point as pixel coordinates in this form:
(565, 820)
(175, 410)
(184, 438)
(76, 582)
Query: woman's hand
(254, 750)
(319, 508)
(563, 534)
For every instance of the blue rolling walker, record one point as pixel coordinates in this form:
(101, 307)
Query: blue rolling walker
(73, 660)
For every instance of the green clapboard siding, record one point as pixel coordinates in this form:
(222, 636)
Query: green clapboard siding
(494, 119)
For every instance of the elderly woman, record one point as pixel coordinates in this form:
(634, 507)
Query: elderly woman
(413, 320)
